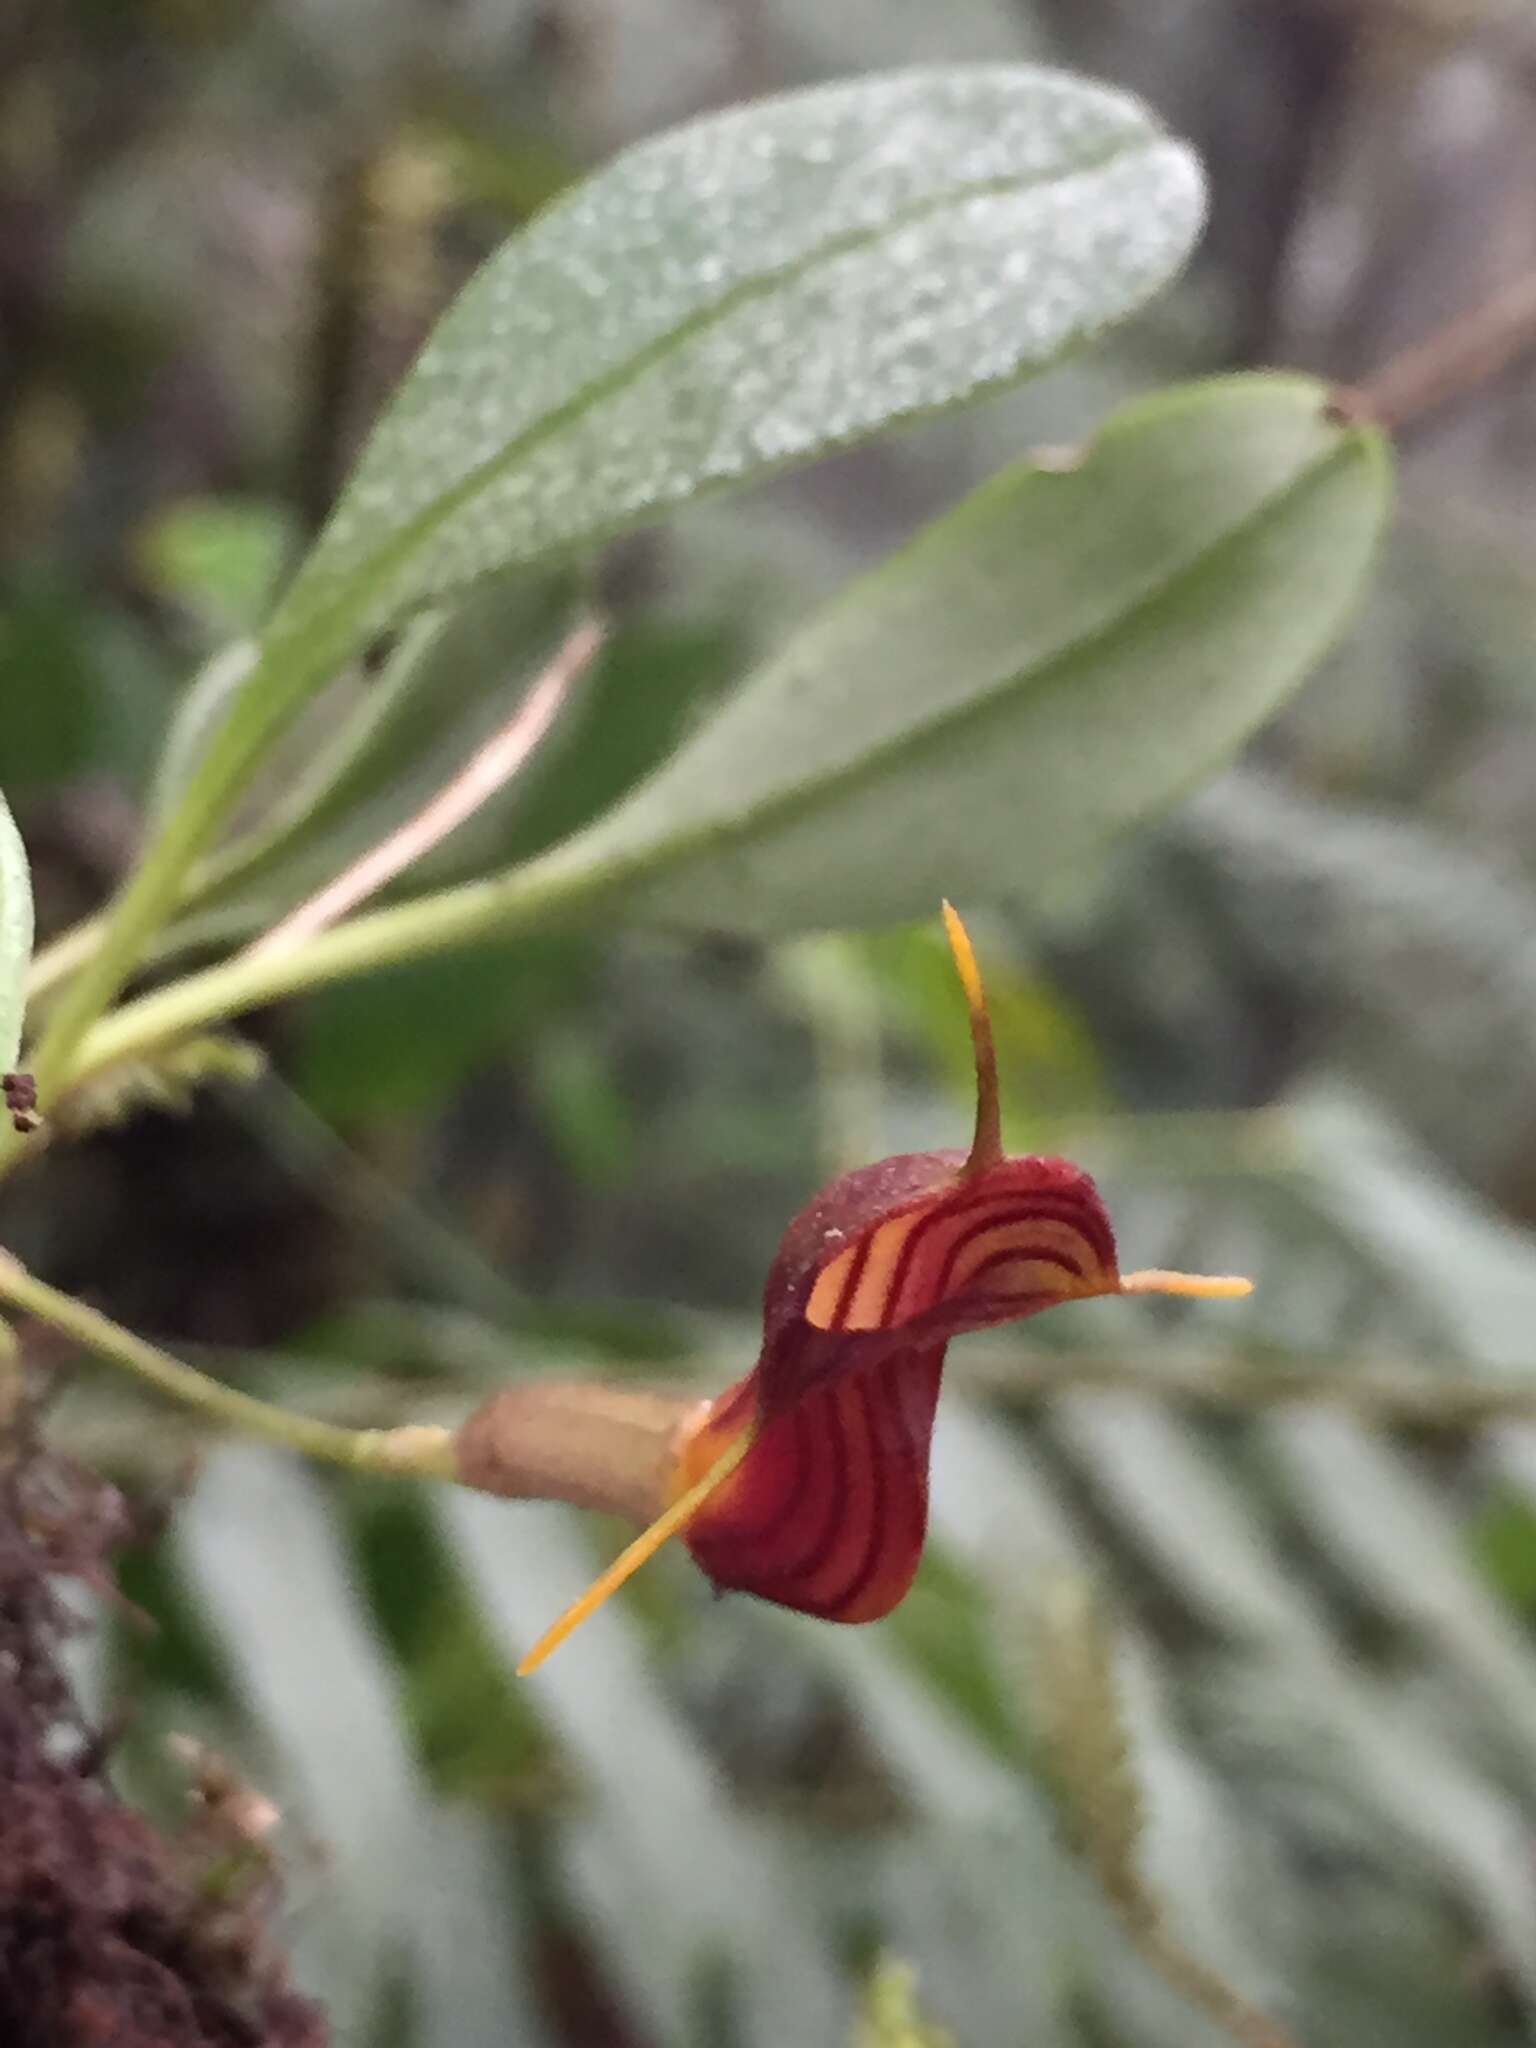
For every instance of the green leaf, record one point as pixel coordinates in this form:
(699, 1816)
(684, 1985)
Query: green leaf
(743, 293)
(1391, 1536)
(1062, 655)
(15, 935)
(721, 301)
(1502, 1541)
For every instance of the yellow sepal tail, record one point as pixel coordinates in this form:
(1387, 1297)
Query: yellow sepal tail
(987, 1144)
(645, 1546)
(1206, 1286)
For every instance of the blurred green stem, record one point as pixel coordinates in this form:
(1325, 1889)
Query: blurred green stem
(424, 1451)
(497, 908)
(80, 952)
(288, 959)
(890, 2016)
(147, 899)
(62, 956)
(290, 666)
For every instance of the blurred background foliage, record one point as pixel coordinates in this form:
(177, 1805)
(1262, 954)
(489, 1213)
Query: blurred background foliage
(1293, 1029)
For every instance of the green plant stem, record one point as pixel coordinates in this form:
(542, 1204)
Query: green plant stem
(62, 956)
(148, 898)
(498, 908)
(153, 890)
(296, 659)
(424, 1451)
(488, 770)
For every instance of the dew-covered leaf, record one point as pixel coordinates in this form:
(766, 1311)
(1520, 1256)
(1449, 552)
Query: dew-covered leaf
(1063, 654)
(742, 293)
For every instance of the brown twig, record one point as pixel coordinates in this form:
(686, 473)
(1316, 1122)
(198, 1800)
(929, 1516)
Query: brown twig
(488, 770)
(1458, 357)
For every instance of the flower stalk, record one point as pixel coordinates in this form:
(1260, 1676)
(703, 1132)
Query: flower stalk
(418, 1449)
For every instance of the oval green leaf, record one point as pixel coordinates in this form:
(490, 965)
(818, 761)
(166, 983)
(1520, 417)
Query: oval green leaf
(1067, 652)
(15, 936)
(743, 293)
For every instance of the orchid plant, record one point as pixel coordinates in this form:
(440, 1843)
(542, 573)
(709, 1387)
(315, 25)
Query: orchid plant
(1041, 668)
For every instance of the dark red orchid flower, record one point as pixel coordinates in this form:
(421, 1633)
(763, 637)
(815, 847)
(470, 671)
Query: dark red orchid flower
(807, 1481)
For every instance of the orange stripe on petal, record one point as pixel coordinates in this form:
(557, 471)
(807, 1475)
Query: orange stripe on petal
(998, 1244)
(869, 1308)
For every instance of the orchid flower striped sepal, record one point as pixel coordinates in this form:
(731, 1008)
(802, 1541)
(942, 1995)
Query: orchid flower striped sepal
(807, 1481)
